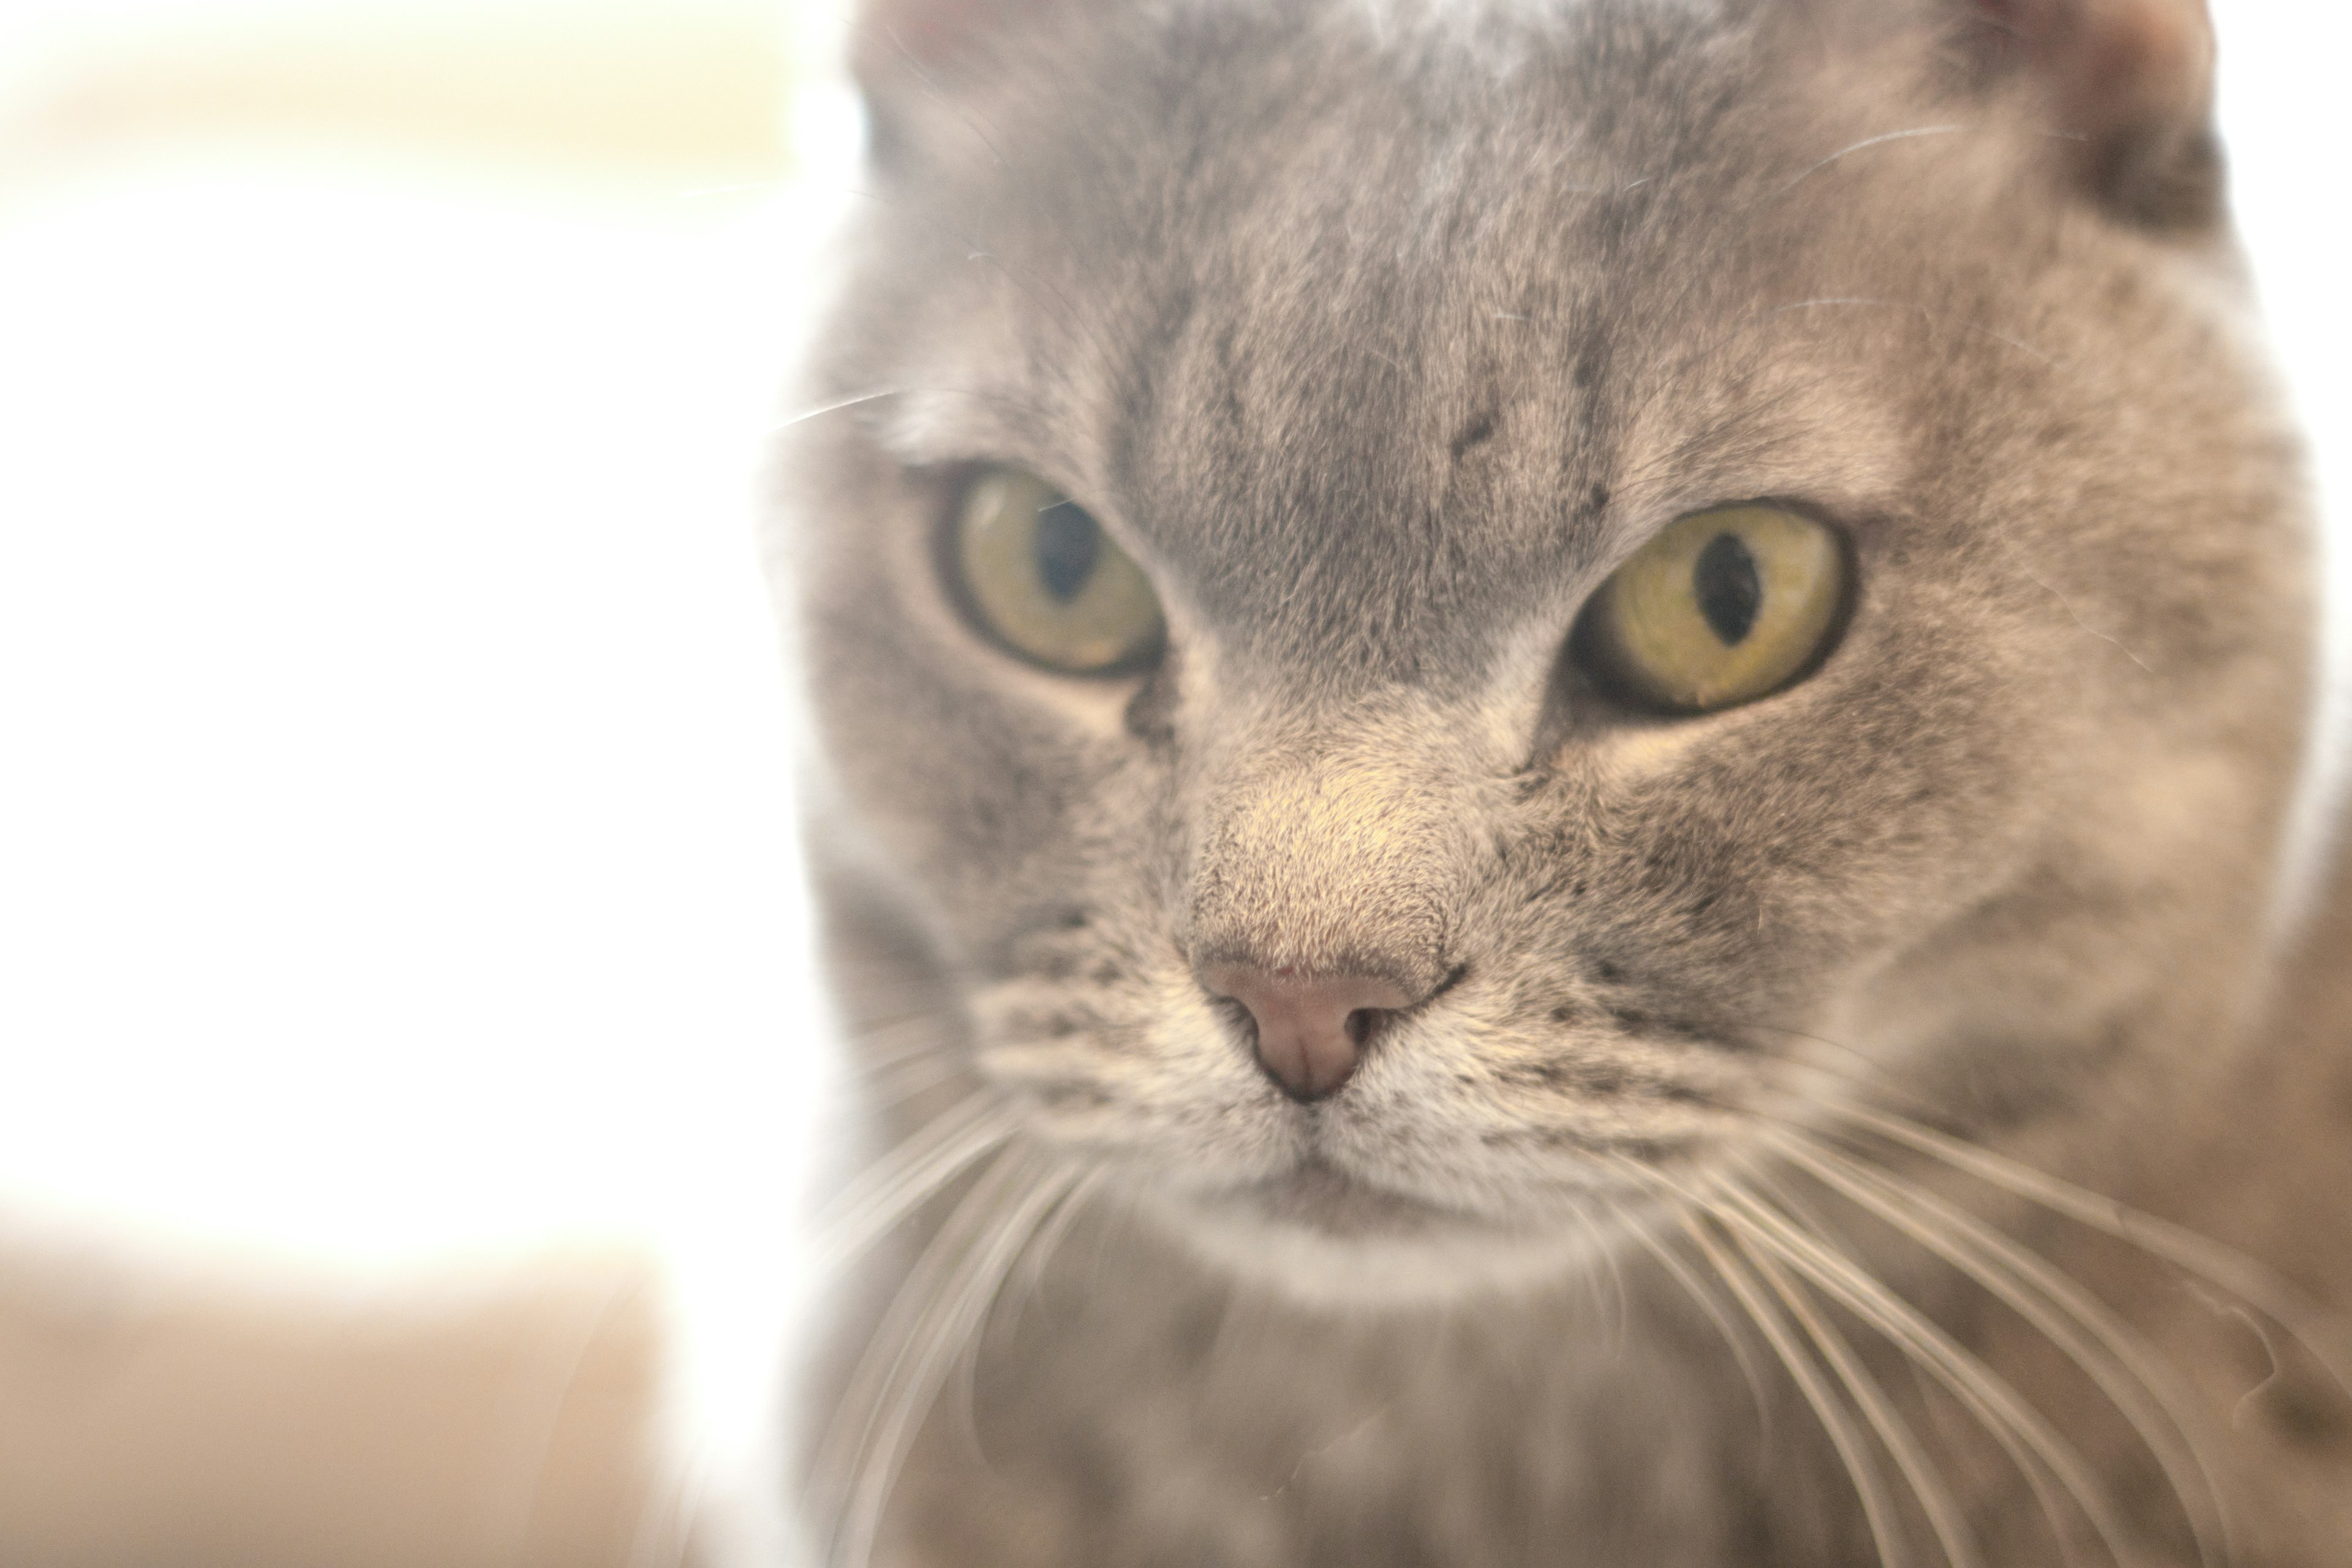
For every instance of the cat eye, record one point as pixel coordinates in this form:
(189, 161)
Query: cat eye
(1722, 607)
(1042, 577)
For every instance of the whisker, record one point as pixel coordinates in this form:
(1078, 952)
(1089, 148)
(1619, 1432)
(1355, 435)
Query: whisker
(2004, 1413)
(1029, 1278)
(904, 1080)
(907, 1176)
(1836, 1420)
(935, 1314)
(2123, 1365)
(926, 1043)
(1592, 1277)
(835, 1475)
(941, 1335)
(1895, 1434)
(1872, 142)
(926, 1020)
(1918, 1470)
(1021, 1279)
(1711, 1303)
(2224, 1267)
(2314, 1325)
(821, 410)
(1958, 1543)
(861, 399)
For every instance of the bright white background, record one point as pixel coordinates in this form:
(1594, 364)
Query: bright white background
(396, 841)
(395, 855)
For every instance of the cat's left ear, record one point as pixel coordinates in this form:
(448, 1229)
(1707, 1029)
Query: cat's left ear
(2128, 83)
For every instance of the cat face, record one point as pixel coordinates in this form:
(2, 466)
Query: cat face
(1358, 907)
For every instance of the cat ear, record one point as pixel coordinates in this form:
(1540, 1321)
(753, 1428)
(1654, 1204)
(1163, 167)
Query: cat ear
(925, 35)
(906, 54)
(2129, 82)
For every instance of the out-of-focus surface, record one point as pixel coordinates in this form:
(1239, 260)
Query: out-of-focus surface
(506, 1422)
(403, 1010)
(404, 1068)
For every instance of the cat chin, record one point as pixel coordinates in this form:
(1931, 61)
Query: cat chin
(1327, 1242)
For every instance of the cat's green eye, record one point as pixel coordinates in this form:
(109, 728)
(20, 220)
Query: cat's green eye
(1722, 607)
(1042, 577)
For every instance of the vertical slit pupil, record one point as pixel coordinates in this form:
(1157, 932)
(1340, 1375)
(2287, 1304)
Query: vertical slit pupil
(1068, 546)
(1728, 588)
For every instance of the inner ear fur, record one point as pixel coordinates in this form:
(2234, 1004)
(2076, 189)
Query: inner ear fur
(2126, 84)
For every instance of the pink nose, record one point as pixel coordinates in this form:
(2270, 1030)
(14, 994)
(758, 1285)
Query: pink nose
(1309, 1031)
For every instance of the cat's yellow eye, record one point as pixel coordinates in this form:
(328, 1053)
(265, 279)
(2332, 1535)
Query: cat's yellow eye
(1043, 579)
(1722, 607)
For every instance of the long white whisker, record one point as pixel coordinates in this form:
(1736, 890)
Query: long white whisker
(1890, 1322)
(834, 1474)
(1919, 1471)
(2117, 1359)
(1712, 1305)
(1602, 1250)
(2004, 1412)
(1029, 1277)
(903, 1179)
(916, 1075)
(1871, 141)
(921, 1033)
(2224, 1267)
(835, 407)
(1836, 1420)
(1025, 1275)
(922, 1351)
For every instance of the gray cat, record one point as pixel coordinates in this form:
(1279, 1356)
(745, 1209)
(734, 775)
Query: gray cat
(1559, 734)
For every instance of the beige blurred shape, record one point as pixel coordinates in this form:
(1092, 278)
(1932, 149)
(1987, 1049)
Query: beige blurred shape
(613, 89)
(503, 1425)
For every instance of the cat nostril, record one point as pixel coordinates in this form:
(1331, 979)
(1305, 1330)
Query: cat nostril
(1312, 1030)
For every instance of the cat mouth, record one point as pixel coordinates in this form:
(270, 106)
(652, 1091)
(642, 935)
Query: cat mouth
(1325, 1237)
(1316, 1197)
(1321, 1199)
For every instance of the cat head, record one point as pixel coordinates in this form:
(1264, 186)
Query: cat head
(1443, 612)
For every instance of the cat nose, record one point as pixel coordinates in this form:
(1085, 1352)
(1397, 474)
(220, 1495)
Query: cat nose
(1310, 1029)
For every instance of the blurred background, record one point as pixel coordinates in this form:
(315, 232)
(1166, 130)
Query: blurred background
(404, 1021)
(406, 1042)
